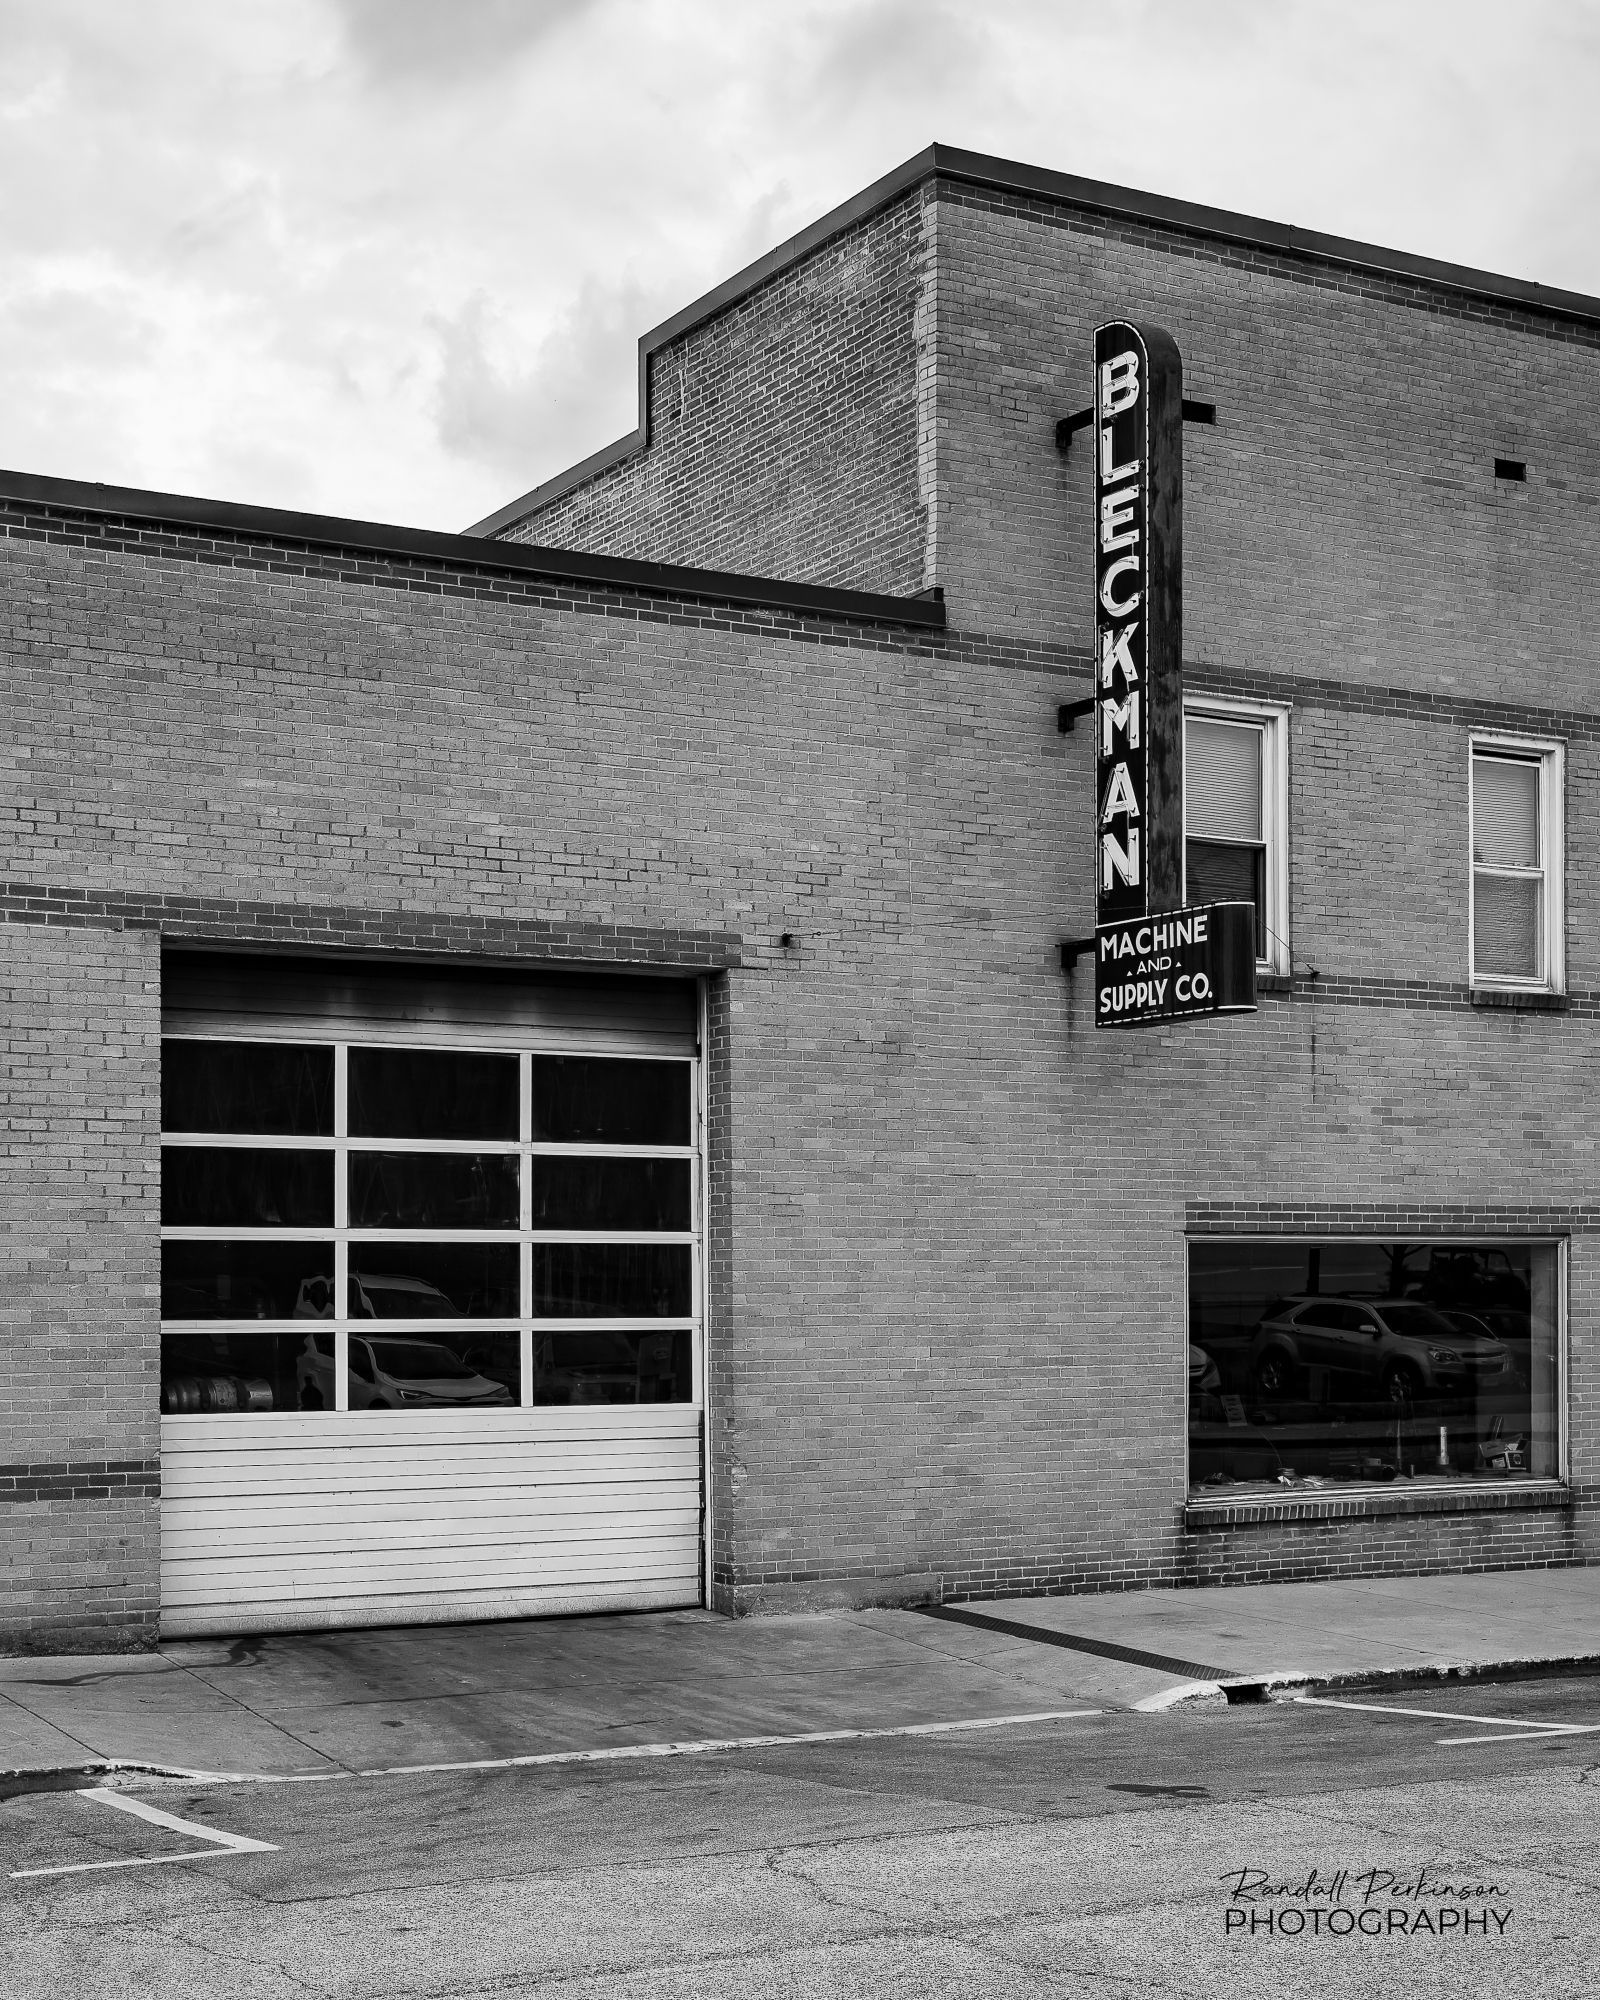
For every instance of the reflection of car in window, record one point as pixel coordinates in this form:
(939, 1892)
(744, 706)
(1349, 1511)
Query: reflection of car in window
(1403, 1348)
(382, 1296)
(395, 1372)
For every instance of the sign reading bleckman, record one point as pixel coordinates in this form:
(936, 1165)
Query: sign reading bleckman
(1154, 959)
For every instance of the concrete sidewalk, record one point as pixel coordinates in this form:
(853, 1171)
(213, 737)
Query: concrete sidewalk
(381, 1699)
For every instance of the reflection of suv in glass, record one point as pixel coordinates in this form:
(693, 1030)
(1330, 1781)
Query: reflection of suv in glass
(1403, 1347)
(394, 1372)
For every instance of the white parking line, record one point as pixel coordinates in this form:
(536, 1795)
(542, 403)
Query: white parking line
(1522, 1730)
(220, 1842)
(621, 1751)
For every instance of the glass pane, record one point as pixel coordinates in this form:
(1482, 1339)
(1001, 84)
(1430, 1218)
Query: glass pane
(433, 1280)
(246, 1280)
(1217, 874)
(432, 1094)
(1508, 921)
(611, 1280)
(272, 1087)
(610, 1194)
(1222, 780)
(1505, 812)
(606, 1367)
(238, 1373)
(400, 1371)
(433, 1191)
(1417, 1363)
(234, 1187)
(594, 1099)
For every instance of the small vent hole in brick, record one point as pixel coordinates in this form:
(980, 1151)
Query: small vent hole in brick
(1511, 468)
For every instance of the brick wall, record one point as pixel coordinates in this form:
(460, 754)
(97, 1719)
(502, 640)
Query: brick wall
(783, 432)
(79, 1451)
(1342, 517)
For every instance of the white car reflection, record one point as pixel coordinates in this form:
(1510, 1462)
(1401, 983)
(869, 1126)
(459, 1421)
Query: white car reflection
(376, 1295)
(395, 1372)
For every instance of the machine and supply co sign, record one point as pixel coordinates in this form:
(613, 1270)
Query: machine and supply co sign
(1154, 958)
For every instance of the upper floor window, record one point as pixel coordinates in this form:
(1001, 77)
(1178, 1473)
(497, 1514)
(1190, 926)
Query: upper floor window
(1516, 923)
(1236, 816)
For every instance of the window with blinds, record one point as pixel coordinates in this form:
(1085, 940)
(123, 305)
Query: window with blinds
(1515, 880)
(1225, 814)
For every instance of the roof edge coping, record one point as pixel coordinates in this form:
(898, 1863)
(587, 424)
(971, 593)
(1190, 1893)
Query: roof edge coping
(474, 552)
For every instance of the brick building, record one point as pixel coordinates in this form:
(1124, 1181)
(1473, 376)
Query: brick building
(541, 1074)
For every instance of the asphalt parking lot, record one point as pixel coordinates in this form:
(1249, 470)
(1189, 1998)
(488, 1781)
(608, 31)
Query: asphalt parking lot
(1105, 1852)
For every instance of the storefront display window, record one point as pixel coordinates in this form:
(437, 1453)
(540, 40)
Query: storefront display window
(1347, 1363)
(430, 1228)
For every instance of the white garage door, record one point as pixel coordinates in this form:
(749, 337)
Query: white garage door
(431, 1295)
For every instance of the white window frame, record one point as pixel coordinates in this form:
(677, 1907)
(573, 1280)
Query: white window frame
(1272, 718)
(1549, 754)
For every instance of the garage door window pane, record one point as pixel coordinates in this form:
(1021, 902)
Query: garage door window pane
(246, 1087)
(214, 1374)
(244, 1280)
(612, 1367)
(591, 1100)
(611, 1280)
(242, 1187)
(420, 1371)
(433, 1281)
(433, 1191)
(610, 1194)
(432, 1094)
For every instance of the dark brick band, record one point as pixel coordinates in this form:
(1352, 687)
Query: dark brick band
(1407, 704)
(1277, 1218)
(1429, 995)
(82, 1479)
(425, 933)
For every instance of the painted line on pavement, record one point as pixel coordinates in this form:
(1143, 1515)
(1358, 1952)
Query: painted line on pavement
(620, 1752)
(1521, 1729)
(219, 1843)
(611, 1754)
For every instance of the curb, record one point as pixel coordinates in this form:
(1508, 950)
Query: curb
(1248, 1689)
(17, 1784)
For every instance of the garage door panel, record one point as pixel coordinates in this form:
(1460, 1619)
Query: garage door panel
(284, 1534)
(408, 1572)
(311, 1533)
(307, 1614)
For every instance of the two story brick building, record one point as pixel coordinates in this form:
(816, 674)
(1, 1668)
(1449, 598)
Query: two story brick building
(541, 1074)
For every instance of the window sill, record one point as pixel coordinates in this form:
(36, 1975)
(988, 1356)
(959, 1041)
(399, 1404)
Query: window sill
(1273, 982)
(1520, 1000)
(1363, 1503)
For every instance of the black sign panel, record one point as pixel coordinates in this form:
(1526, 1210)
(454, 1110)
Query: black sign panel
(1176, 964)
(1138, 525)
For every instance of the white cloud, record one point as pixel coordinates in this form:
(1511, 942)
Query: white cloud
(391, 257)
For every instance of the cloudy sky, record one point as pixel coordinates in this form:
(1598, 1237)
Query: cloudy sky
(389, 258)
